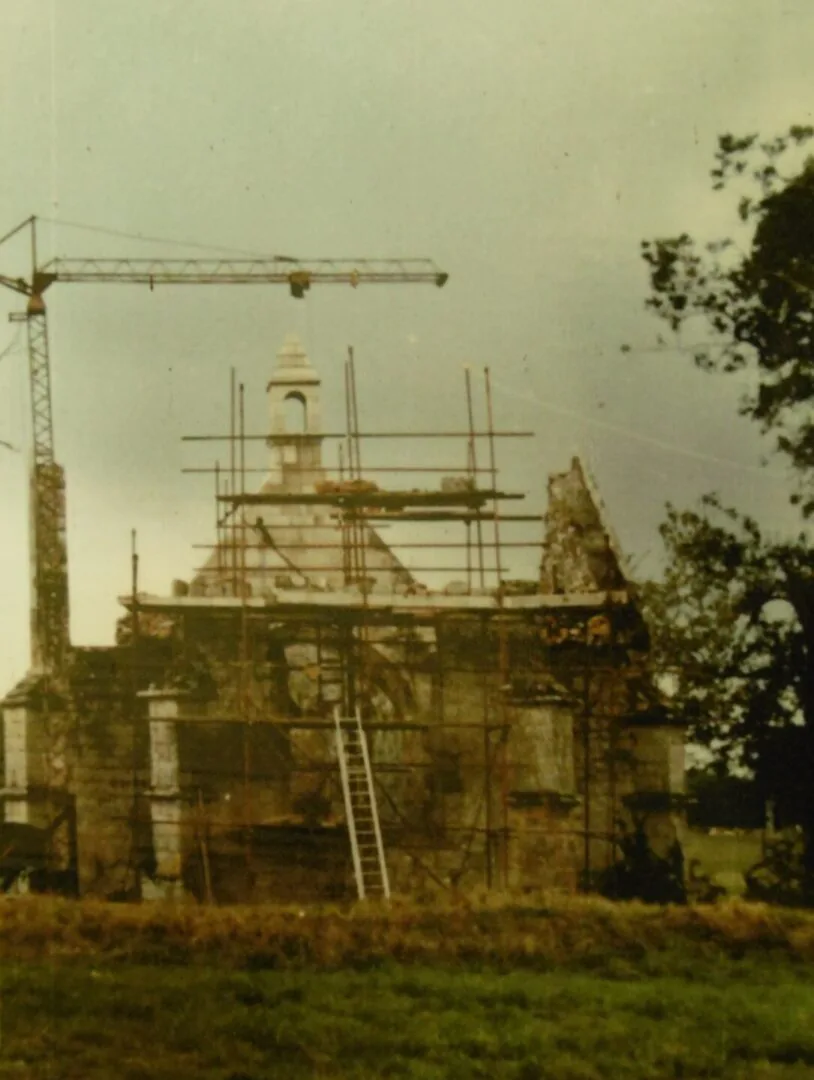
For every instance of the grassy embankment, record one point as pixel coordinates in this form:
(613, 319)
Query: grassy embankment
(571, 989)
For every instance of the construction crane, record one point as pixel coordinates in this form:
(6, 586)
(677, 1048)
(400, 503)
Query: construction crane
(50, 606)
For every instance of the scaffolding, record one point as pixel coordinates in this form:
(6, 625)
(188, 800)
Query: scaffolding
(355, 632)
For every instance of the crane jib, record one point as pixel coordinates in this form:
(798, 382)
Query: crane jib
(299, 276)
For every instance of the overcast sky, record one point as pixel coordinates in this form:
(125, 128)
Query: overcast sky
(527, 147)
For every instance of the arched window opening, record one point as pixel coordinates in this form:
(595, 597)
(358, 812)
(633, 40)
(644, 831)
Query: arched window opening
(294, 413)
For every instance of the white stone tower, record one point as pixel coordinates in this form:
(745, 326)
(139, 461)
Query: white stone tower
(296, 423)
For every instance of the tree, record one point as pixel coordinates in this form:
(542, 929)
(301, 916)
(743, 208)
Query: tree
(753, 294)
(722, 798)
(733, 620)
(733, 625)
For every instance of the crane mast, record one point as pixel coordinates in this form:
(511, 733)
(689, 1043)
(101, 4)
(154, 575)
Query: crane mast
(50, 638)
(49, 608)
(50, 615)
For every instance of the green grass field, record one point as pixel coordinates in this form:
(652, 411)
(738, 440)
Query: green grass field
(566, 989)
(140, 1022)
(725, 858)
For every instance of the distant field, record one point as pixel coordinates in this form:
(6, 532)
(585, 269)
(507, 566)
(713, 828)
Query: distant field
(547, 988)
(723, 856)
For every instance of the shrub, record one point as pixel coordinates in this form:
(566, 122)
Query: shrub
(640, 874)
(779, 877)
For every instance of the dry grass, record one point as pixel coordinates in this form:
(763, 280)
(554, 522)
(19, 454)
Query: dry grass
(510, 934)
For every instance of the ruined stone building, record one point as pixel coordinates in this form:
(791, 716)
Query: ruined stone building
(512, 727)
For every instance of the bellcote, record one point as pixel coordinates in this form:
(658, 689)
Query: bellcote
(295, 435)
(294, 392)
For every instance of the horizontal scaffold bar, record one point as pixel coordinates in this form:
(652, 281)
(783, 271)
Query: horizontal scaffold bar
(337, 545)
(311, 437)
(306, 603)
(384, 499)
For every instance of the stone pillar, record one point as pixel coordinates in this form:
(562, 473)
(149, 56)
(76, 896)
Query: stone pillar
(15, 756)
(658, 797)
(543, 804)
(36, 772)
(20, 711)
(164, 707)
(542, 746)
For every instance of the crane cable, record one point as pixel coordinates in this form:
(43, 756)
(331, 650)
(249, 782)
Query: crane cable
(12, 345)
(123, 235)
(638, 436)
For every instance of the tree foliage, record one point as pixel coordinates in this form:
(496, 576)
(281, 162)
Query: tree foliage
(723, 799)
(733, 620)
(733, 629)
(753, 294)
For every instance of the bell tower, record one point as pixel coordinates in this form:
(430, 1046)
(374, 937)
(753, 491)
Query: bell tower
(294, 404)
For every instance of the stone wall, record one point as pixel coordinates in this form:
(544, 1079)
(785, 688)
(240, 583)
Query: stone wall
(580, 552)
(109, 763)
(505, 756)
(525, 798)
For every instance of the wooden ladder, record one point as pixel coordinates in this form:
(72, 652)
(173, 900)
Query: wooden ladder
(361, 811)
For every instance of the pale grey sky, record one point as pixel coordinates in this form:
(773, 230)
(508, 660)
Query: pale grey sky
(528, 147)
